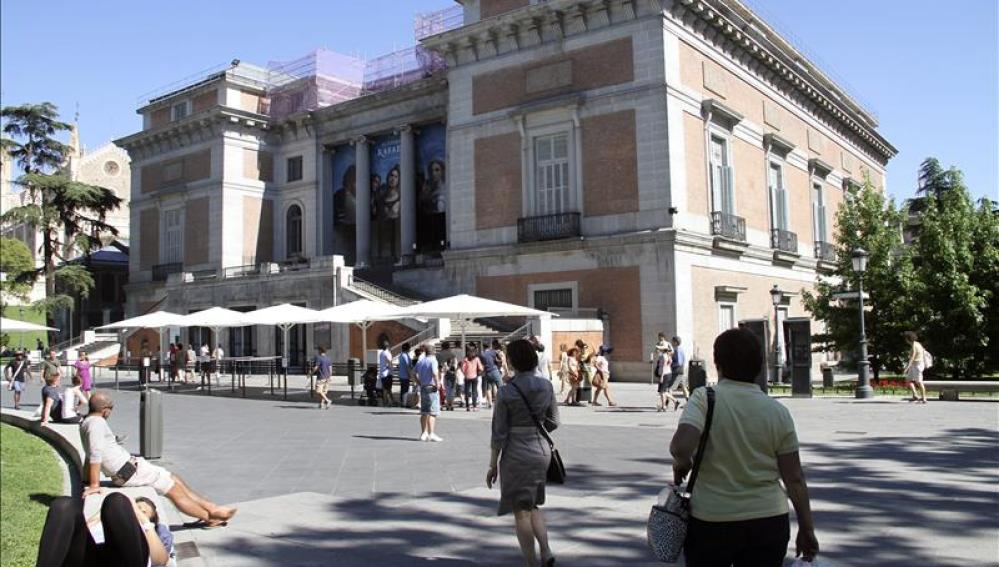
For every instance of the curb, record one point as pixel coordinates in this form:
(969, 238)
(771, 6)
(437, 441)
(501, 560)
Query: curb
(67, 452)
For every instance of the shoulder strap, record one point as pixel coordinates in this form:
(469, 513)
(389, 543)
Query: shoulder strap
(537, 422)
(703, 442)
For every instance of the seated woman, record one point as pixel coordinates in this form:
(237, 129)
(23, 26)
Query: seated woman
(739, 512)
(129, 539)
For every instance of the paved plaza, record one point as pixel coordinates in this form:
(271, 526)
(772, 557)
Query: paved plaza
(892, 483)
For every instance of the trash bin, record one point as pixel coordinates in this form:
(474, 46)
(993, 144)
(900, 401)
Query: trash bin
(696, 375)
(827, 377)
(151, 424)
(353, 374)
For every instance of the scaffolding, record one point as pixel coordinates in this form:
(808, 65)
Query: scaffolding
(427, 24)
(320, 79)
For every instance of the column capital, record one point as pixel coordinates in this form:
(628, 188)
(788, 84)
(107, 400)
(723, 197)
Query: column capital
(359, 140)
(403, 128)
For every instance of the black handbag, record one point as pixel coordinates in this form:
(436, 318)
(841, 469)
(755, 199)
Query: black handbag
(556, 468)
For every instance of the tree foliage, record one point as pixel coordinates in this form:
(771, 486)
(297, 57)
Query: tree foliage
(868, 221)
(70, 216)
(944, 286)
(18, 267)
(955, 251)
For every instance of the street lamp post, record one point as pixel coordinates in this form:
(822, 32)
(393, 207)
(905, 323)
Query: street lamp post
(776, 295)
(864, 390)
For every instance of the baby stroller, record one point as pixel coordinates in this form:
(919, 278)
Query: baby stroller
(371, 393)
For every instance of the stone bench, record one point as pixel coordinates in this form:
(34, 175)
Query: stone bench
(950, 390)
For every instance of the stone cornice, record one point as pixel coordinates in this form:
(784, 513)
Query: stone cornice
(196, 128)
(534, 25)
(733, 28)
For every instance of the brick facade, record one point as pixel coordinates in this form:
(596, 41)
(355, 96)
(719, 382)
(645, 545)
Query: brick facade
(497, 181)
(149, 238)
(592, 67)
(196, 231)
(610, 164)
(490, 8)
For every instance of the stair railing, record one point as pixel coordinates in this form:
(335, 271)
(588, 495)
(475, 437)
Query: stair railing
(414, 340)
(520, 332)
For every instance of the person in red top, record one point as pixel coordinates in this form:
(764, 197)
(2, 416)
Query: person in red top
(471, 369)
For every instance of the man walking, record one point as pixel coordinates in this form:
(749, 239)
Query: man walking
(429, 376)
(492, 375)
(677, 366)
(544, 361)
(15, 373)
(323, 369)
(105, 454)
(405, 367)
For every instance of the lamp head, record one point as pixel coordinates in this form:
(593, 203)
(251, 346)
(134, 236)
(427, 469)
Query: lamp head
(776, 295)
(859, 259)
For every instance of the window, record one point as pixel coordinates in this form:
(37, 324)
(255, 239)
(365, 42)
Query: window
(173, 228)
(779, 211)
(818, 213)
(294, 169)
(722, 191)
(726, 317)
(559, 299)
(293, 231)
(178, 111)
(551, 174)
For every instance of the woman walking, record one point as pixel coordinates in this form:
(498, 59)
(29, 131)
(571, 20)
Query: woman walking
(563, 367)
(83, 369)
(572, 375)
(662, 375)
(520, 454)
(601, 379)
(739, 511)
(914, 369)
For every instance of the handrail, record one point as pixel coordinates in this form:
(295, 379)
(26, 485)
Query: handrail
(63, 345)
(413, 340)
(517, 333)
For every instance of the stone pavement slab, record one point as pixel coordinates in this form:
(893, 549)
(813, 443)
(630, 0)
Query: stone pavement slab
(892, 483)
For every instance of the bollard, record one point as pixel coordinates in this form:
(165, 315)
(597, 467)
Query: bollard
(353, 369)
(151, 424)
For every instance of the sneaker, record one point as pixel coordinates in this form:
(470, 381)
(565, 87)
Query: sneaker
(435, 438)
(425, 436)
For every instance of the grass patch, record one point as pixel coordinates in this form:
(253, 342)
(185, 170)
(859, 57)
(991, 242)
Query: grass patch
(30, 476)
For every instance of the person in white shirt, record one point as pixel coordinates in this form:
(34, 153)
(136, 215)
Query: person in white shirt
(217, 357)
(544, 361)
(105, 454)
(72, 397)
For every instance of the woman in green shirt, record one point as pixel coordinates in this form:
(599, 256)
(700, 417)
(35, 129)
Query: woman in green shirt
(739, 511)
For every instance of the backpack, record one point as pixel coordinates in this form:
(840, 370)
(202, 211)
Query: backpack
(927, 359)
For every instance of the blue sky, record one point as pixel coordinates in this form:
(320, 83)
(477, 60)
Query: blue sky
(929, 69)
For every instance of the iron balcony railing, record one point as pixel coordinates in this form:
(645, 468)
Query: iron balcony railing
(728, 226)
(548, 227)
(242, 271)
(825, 251)
(784, 240)
(161, 271)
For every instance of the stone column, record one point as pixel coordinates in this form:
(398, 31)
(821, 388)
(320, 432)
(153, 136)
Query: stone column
(407, 206)
(362, 160)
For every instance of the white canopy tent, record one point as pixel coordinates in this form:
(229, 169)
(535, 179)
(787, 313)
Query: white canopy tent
(15, 326)
(464, 308)
(362, 313)
(156, 320)
(284, 316)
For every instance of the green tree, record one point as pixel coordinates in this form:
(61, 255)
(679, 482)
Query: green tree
(985, 276)
(18, 268)
(869, 221)
(70, 216)
(953, 322)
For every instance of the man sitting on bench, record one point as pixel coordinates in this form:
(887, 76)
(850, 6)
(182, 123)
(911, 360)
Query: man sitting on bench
(105, 454)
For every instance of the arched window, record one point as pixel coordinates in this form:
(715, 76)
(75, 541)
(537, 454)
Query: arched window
(293, 232)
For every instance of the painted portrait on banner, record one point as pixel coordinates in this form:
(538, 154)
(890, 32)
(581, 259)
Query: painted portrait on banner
(431, 187)
(386, 194)
(344, 200)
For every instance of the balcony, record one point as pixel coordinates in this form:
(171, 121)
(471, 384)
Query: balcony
(728, 226)
(548, 227)
(161, 271)
(785, 245)
(242, 271)
(825, 251)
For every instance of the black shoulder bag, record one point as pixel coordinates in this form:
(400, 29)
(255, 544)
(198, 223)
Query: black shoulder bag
(556, 469)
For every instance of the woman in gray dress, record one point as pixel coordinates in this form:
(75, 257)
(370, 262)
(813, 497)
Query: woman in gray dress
(520, 450)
